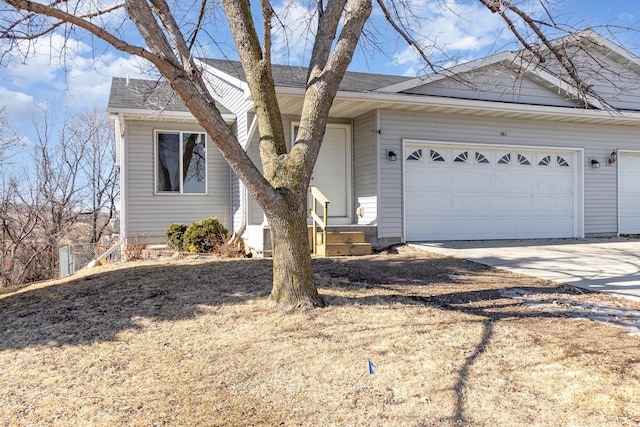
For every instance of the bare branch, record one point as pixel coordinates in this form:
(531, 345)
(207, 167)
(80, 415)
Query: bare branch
(328, 23)
(267, 15)
(566, 63)
(7, 32)
(166, 17)
(405, 35)
(203, 6)
(83, 23)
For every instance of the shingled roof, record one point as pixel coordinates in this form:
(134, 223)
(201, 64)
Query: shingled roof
(137, 94)
(296, 77)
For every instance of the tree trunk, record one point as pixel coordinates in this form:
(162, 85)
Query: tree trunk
(293, 280)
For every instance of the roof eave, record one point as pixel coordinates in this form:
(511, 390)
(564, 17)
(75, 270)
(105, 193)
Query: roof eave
(164, 115)
(480, 108)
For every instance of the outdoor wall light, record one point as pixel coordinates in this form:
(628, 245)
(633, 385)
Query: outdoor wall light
(595, 164)
(392, 156)
(612, 158)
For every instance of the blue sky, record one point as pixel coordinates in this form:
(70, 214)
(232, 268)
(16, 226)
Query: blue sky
(82, 80)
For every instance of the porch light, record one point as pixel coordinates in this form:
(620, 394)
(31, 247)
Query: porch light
(595, 164)
(392, 156)
(612, 158)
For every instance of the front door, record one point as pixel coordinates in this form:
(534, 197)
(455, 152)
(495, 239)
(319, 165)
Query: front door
(331, 173)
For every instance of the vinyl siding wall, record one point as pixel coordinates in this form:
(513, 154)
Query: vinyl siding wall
(610, 76)
(235, 100)
(597, 141)
(365, 163)
(148, 214)
(495, 83)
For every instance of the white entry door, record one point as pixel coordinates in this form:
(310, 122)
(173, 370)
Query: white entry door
(629, 193)
(331, 173)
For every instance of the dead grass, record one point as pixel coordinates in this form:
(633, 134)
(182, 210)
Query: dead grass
(190, 342)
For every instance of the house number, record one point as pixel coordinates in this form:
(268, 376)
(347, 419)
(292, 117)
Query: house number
(503, 134)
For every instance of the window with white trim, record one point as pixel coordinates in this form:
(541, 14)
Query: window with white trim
(181, 162)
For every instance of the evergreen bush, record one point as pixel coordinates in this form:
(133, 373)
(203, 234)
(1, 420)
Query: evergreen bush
(175, 236)
(205, 236)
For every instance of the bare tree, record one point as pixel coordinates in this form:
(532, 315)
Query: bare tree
(8, 139)
(90, 134)
(69, 195)
(58, 189)
(19, 214)
(168, 44)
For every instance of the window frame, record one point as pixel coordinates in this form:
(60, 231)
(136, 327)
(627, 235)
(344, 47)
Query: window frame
(180, 134)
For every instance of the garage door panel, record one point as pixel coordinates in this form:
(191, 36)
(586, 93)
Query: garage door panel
(467, 201)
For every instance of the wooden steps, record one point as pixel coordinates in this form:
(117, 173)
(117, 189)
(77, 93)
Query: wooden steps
(343, 243)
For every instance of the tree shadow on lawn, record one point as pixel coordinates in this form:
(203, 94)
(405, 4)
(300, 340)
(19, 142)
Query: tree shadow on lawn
(486, 302)
(99, 306)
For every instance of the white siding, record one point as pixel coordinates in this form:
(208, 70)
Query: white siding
(600, 188)
(256, 216)
(234, 99)
(610, 76)
(365, 163)
(495, 83)
(148, 214)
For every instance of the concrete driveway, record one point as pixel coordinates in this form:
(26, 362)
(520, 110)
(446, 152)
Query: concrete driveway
(602, 264)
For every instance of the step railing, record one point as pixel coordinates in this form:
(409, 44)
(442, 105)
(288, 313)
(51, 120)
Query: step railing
(318, 198)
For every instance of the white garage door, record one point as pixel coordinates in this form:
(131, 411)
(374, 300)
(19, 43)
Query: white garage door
(629, 193)
(471, 193)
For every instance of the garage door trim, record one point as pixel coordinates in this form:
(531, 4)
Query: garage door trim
(620, 158)
(578, 173)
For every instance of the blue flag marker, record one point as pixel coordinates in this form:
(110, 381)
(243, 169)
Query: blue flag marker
(372, 368)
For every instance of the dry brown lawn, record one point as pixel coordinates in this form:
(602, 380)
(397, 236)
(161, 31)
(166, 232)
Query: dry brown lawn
(190, 342)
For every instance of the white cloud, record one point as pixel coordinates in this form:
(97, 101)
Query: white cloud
(56, 65)
(43, 59)
(449, 28)
(21, 103)
(22, 110)
(293, 32)
(89, 82)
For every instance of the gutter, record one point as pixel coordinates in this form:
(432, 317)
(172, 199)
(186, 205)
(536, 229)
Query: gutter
(486, 108)
(142, 114)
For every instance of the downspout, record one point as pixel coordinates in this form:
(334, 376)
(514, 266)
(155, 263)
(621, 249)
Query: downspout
(121, 131)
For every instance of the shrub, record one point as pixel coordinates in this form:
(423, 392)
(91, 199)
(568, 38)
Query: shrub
(205, 235)
(175, 236)
(133, 249)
